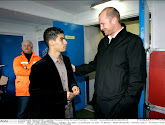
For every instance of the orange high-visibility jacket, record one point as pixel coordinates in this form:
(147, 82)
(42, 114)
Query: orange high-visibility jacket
(22, 69)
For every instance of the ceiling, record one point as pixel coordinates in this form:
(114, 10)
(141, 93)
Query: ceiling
(69, 6)
(13, 16)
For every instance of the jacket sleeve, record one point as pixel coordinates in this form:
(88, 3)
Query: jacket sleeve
(86, 68)
(137, 75)
(19, 69)
(91, 66)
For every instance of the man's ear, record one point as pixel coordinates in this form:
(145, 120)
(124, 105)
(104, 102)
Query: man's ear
(51, 42)
(114, 20)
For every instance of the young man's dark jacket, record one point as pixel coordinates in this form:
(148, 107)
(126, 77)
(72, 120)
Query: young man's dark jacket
(48, 99)
(120, 75)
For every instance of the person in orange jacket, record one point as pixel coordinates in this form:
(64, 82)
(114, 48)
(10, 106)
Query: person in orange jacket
(22, 68)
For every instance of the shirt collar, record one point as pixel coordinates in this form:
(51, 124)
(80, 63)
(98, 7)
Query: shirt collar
(115, 34)
(55, 59)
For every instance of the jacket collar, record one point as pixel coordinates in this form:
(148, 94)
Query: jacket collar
(33, 54)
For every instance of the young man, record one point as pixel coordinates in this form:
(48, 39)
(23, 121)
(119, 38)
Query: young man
(120, 66)
(22, 68)
(52, 84)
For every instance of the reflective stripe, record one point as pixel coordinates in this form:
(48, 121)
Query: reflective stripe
(24, 63)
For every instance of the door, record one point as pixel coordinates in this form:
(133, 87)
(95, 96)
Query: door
(10, 47)
(74, 35)
(156, 85)
(144, 35)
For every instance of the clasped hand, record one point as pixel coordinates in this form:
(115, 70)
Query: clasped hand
(71, 95)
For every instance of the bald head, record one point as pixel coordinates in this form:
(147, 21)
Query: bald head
(111, 12)
(109, 20)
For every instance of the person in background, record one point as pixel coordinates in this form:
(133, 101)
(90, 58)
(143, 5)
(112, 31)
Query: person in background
(120, 66)
(22, 68)
(52, 84)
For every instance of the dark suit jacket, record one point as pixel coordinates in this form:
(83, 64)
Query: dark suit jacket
(46, 92)
(120, 75)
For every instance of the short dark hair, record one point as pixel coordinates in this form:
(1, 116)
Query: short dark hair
(51, 34)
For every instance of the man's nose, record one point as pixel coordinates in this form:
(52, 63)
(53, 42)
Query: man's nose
(65, 41)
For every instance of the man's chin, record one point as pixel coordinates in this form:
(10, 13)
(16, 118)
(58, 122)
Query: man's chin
(63, 51)
(27, 52)
(106, 34)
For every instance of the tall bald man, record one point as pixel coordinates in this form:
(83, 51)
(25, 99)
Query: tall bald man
(120, 66)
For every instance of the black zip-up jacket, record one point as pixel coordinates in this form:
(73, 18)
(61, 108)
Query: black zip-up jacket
(120, 75)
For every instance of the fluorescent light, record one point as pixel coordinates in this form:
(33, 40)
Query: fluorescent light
(98, 3)
(104, 3)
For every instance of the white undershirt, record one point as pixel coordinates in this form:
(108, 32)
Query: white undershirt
(110, 38)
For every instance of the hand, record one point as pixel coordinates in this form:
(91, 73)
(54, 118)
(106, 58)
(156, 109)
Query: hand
(70, 95)
(25, 67)
(76, 90)
(73, 68)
